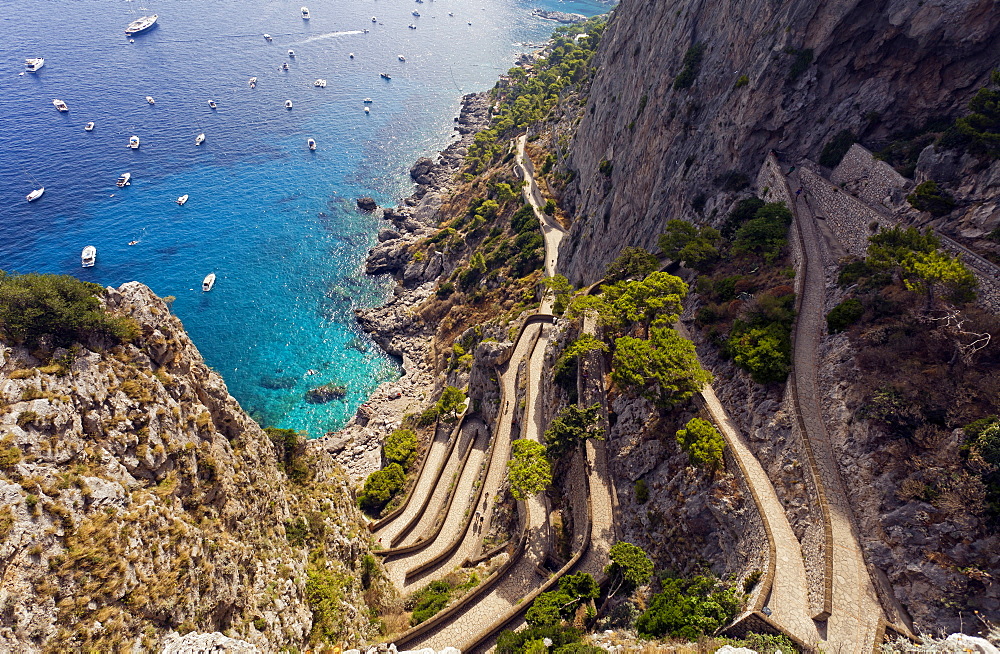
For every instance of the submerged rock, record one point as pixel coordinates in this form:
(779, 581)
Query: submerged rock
(326, 393)
(367, 204)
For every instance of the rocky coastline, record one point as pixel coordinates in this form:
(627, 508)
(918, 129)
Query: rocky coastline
(558, 16)
(394, 325)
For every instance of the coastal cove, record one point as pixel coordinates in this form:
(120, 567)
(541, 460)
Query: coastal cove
(276, 223)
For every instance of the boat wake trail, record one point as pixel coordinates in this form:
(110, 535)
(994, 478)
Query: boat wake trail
(328, 35)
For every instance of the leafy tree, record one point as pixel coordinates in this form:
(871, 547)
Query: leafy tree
(562, 289)
(677, 234)
(766, 234)
(979, 132)
(524, 220)
(400, 447)
(572, 425)
(566, 367)
(517, 642)
(451, 403)
(429, 601)
(664, 368)
(890, 247)
(550, 207)
(703, 443)
(632, 263)
(689, 609)
(844, 315)
(380, 487)
(701, 253)
(928, 271)
(927, 196)
(630, 567)
(528, 471)
(64, 307)
(556, 606)
(655, 300)
(743, 211)
(765, 352)
(682, 241)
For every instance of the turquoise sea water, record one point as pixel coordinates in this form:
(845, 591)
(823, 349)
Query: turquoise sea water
(276, 222)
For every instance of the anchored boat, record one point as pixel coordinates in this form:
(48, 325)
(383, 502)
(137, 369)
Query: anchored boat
(37, 193)
(124, 180)
(208, 282)
(141, 25)
(133, 142)
(88, 257)
(33, 64)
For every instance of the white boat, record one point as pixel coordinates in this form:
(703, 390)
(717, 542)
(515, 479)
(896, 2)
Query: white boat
(284, 65)
(291, 53)
(401, 57)
(133, 142)
(305, 13)
(288, 104)
(60, 105)
(88, 256)
(150, 99)
(412, 27)
(182, 199)
(350, 55)
(374, 20)
(208, 282)
(321, 83)
(253, 82)
(34, 195)
(33, 64)
(311, 143)
(367, 110)
(198, 140)
(140, 25)
(267, 37)
(384, 75)
(367, 100)
(211, 103)
(124, 180)
(451, 13)
(415, 13)
(89, 127)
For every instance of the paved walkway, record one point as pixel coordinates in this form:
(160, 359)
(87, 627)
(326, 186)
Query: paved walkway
(552, 231)
(424, 485)
(855, 608)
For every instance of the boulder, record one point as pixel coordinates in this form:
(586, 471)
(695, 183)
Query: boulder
(326, 393)
(421, 168)
(367, 204)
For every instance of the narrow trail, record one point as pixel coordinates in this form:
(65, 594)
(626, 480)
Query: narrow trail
(552, 231)
(855, 611)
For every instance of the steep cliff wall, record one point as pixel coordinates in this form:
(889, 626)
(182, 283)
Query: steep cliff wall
(137, 498)
(812, 69)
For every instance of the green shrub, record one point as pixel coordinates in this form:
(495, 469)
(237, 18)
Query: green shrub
(429, 600)
(528, 471)
(572, 425)
(752, 580)
(852, 272)
(844, 315)
(703, 443)
(400, 447)
(979, 132)
(765, 352)
(632, 263)
(641, 491)
(692, 64)
(741, 213)
(689, 609)
(70, 310)
(605, 167)
(290, 447)
(803, 59)
(766, 234)
(835, 149)
(524, 220)
(516, 642)
(929, 197)
(380, 487)
(325, 590)
(550, 207)
(25, 418)
(741, 81)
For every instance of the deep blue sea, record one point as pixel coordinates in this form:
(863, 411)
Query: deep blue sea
(275, 222)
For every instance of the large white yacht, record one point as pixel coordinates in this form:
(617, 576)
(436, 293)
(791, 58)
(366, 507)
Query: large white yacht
(88, 256)
(140, 25)
(124, 180)
(33, 64)
(133, 142)
(60, 105)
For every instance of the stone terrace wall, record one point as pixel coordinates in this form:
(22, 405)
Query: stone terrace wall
(873, 181)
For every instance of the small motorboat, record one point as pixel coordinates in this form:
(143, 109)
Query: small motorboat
(291, 53)
(133, 142)
(33, 64)
(451, 13)
(367, 110)
(305, 13)
(374, 20)
(133, 242)
(198, 140)
(415, 13)
(60, 105)
(384, 75)
(125, 179)
(182, 199)
(311, 143)
(34, 195)
(320, 83)
(284, 66)
(88, 257)
(401, 57)
(253, 82)
(267, 37)
(288, 104)
(350, 55)
(150, 99)
(412, 27)
(367, 100)
(208, 282)
(211, 103)
(89, 127)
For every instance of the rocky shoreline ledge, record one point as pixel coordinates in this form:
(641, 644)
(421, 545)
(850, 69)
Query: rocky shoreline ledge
(357, 445)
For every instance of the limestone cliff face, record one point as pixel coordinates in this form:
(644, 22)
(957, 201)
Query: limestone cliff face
(875, 67)
(138, 498)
